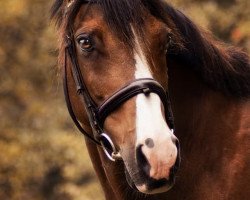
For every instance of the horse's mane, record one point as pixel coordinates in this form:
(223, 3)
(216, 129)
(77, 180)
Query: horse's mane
(226, 69)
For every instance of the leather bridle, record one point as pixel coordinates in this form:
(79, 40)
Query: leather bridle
(98, 114)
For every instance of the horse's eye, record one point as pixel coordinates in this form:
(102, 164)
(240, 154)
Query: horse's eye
(86, 43)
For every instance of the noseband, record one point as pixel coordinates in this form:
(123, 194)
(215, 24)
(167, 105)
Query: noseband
(98, 114)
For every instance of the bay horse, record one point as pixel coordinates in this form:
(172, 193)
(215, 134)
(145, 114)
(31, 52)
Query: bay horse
(121, 59)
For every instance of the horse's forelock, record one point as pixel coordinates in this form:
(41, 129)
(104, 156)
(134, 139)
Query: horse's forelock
(118, 14)
(56, 11)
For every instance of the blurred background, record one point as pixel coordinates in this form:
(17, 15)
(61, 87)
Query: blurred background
(42, 155)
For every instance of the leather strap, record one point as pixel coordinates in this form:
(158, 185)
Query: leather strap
(69, 105)
(143, 85)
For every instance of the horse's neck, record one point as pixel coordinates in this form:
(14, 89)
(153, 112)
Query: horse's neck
(214, 133)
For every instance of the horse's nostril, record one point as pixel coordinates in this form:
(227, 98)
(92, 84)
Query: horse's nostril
(142, 160)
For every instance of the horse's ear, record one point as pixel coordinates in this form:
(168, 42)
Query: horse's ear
(173, 19)
(57, 11)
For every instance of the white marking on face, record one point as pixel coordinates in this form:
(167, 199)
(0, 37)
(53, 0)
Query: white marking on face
(150, 123)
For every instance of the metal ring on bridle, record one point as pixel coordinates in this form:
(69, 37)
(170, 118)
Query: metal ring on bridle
(114, 155)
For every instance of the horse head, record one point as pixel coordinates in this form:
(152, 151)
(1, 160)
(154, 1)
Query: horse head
(117, 53)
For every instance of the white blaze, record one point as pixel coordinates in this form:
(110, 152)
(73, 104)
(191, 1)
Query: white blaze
(150, 123)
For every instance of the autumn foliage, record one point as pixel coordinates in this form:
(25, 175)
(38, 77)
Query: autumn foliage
(42, 156)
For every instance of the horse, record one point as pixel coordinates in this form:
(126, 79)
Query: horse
(143, 82)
